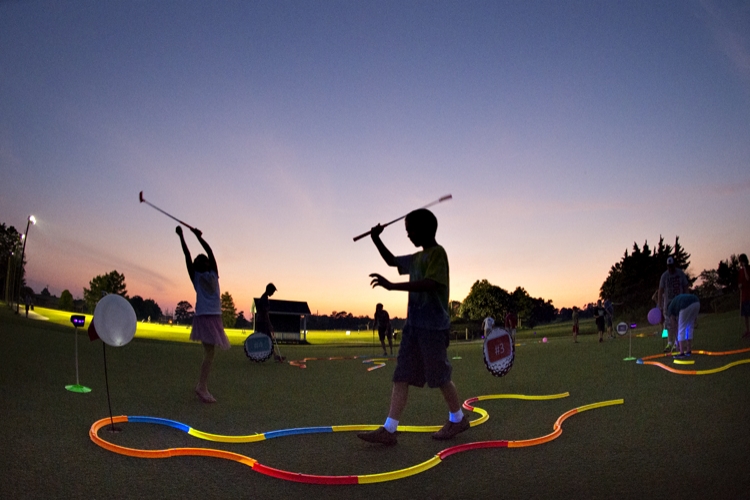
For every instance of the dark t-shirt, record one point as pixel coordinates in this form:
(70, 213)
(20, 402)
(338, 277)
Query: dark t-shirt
(383, 320)
(600, 318)
(262, 306)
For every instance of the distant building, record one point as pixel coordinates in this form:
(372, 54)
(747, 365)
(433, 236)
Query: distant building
(289, 319)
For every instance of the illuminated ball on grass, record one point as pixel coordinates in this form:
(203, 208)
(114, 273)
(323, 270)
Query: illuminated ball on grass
(544, 340)
(114, 320)
(654, 316)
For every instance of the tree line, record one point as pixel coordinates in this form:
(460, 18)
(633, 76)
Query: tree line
(630, 283)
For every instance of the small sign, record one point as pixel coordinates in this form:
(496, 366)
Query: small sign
(258, 347)
(78, 320)
(499, 352)
(622, 328)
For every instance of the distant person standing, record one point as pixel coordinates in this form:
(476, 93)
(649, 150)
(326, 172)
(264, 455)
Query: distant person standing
(599, 319)
(262, 318)
(672, 283)
(744, 284)
(609, 314)
(684, 310)
(27, 303)
(487, 325)
(575, 324)
(511, 322)
(383, 324)
(208, 327)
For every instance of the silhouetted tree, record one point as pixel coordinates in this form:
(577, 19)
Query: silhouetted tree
(228, 310)
(183, 313)
(10, 251)
(112, 282)
(66, 300)
(242, 322)
(634, 279)
(728, 272)
(145, 309)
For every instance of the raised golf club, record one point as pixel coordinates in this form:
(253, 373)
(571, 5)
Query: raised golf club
(144, 200)
(439, 200)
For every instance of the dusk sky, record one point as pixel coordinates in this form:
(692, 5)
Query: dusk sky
(565, 131)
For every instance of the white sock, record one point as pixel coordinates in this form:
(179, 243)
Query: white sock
(456, 417)
(391, 425)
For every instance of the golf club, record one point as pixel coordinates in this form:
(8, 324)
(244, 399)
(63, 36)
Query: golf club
(143, 200)
(278, 357)
(439, 200)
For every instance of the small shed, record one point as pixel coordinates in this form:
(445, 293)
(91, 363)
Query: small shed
(288, 317)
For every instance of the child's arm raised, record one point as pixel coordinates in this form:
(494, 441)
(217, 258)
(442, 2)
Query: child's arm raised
(186, 251)
(211, 260)
(384, 252)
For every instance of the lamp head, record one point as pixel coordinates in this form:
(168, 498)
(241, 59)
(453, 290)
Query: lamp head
(32, 219)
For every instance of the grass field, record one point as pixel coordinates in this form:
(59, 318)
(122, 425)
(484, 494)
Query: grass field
(676, 436)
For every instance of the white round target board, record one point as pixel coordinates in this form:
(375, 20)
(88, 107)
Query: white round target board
(114, 320)
(622, 328)
(499, 352)
(258, 347)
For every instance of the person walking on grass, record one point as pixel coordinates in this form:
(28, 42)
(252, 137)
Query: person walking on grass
(609, 315)
(743, 281)
(383, 324)
(423, 353)
(683, 311)
(672, 283)
(575, 324)
(207, 324)
(599, 311)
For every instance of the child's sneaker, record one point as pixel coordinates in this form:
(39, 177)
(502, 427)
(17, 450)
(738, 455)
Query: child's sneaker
(379, 436)
(451, 429)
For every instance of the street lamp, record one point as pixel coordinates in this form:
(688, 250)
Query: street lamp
(25, 236)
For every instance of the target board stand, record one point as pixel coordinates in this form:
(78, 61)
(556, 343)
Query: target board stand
(258, 347)
(622, 329)
(77, 320)
(499, 352)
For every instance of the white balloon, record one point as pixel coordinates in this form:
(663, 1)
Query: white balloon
(114, 320)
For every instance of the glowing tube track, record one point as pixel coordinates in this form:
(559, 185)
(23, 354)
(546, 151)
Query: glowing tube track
(319, 479)
(647, 361)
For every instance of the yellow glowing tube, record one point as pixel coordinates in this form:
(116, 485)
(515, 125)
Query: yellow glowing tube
(399, 474)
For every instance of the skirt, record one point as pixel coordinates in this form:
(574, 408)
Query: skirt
(210, 330)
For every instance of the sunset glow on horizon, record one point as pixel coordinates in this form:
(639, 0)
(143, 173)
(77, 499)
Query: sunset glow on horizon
(565, 132)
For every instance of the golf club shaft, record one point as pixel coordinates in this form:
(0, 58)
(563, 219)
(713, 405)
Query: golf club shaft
(441, 199)
(143, 200)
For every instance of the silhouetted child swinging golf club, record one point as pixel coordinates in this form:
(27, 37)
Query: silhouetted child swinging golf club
(208, 327)
(423, 354)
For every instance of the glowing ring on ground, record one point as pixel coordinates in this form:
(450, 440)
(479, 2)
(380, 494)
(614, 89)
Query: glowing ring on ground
(646, 361)
(317, 479)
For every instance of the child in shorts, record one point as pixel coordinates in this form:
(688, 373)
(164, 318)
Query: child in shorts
(423, 354)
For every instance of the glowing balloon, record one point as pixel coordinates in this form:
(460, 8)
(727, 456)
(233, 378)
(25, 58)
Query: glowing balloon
(115, 320)
(654, 316)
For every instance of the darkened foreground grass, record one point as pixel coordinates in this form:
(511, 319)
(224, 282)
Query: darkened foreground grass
(675, 436)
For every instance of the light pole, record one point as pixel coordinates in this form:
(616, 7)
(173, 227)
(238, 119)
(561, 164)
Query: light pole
(31, 220)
